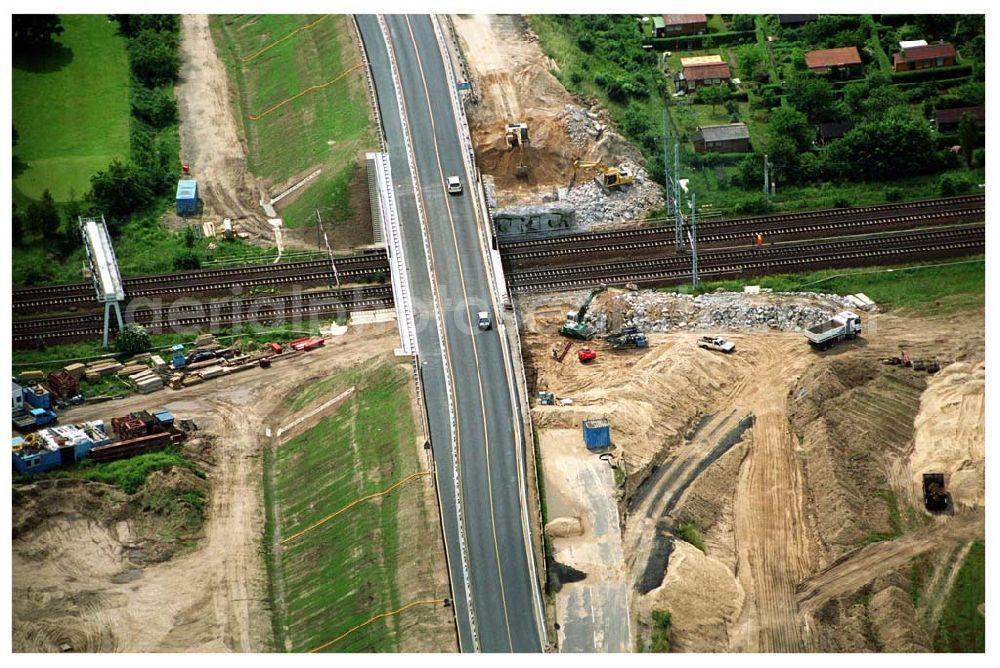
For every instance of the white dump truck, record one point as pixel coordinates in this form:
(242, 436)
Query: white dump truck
(844, 325)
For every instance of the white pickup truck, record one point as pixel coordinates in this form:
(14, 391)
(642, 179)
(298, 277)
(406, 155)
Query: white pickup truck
(844, 325)
(716, 343)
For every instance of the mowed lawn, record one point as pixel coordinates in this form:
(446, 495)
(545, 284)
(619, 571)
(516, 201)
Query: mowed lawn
(324, 128)
(71, 109)
(344, 572)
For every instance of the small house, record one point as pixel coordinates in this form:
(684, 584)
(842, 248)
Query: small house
(826, 132)
(675, 25)
(795, 20)
(658, 27)
(947, 120)
(923, 57)
(187, 197)
(705, 74)
(845, 60)
(729, 138)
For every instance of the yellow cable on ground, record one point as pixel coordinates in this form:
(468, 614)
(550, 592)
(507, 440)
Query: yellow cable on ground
(437, 601)
(354, 503)
(307, 90)
(247, 59)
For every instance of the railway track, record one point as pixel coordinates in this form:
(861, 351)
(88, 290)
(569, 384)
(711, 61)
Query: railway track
(181, 317)
(351, 268)
(783, 227)
(885, 248)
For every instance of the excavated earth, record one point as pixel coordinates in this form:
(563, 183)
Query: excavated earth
(799, 471)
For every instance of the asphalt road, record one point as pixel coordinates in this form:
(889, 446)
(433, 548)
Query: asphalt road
(472, 362)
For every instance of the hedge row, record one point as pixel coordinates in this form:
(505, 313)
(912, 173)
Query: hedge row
(932, 74)
(703, 41)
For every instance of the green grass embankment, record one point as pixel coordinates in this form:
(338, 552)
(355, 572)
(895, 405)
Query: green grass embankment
(324, 128)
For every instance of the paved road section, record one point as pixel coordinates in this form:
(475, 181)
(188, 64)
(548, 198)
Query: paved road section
(489, 468)
(428, 340)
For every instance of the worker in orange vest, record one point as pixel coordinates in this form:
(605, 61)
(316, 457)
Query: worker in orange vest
(760, 240)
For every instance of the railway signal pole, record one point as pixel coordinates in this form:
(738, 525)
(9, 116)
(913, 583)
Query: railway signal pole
(672, 187)
(694, 241)
(767, 179)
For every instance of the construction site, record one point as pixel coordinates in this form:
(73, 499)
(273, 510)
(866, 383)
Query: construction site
(734, 468)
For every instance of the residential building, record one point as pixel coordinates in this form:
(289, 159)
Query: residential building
(705, 74)
(947, 120)
(826, 132)
(844, 60)
(793, 20)
(924, 57)
(675, 25)
(729, 138)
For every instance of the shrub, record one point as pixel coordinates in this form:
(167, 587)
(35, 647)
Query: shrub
(585, 42)
(133, 339)
(689, 532)
(841, 203)
(575, 78)
(893, 194)
(154, 58)
(954, 185)
(186, 259)
(754, 205)
(154, 106)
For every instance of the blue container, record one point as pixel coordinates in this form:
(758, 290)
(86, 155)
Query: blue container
(597, 433)
(43, 400)
(164, 418)
(187, 197)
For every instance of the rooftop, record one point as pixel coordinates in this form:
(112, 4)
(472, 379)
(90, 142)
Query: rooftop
(727, 132)
(942, 50)
(52, 438)
(955, 115)
(706, 71)
(700, 60)
(847, 55)
(187, 189)
(787, 19)
(684, 19)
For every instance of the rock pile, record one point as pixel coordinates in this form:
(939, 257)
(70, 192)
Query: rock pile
(581, 124)
(662, 312)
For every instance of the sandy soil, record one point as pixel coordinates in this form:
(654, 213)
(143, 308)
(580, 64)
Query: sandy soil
(784, 503)
(514, 84)
(210, 141)
(214, 597)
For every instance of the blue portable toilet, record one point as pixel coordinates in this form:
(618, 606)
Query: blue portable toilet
(597, 433)
(187, 197)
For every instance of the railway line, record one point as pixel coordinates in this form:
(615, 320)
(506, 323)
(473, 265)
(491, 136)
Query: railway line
(353, 268)
(886, 248)
(784, 227)
(221, 313)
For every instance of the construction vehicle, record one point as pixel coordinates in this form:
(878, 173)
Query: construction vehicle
(516, 136)
(28, 420)
(844, 325)
(574, 327)
(546, 398)
(586, 355)
(716, 343)
(936, 498)
(627, 337)
(609, 178)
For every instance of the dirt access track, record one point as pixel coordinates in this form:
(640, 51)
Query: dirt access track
(73, 581)
(210, 141)
(786, 461)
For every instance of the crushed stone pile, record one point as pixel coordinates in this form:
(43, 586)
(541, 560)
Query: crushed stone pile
(652, 311)
(581, 124)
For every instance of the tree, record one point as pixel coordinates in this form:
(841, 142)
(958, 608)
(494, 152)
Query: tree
(121, 189)
(32, 32)
(895, 145)
(43, 216)
(186, 259)
(713, 95)
(69, 239)
(783, 155)
(133, 339)
(154, 58)
(814, 96)
(750, 172)
(742, 22)
(16, 225)
(791, 123)
(968, 136)
(752, 62)
(129, 25)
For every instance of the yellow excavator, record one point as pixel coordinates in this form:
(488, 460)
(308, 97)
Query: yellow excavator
(610, 177)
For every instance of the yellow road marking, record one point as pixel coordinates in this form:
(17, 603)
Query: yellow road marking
(436, 601)
(270, 46)
(307, 90)
(369, 497)
(475, 348)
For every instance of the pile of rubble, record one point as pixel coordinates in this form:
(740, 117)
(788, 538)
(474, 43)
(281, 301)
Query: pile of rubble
(652, 311)
(596, 208)
(580, 124)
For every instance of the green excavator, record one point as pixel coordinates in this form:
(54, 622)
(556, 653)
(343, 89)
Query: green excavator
(575, 327)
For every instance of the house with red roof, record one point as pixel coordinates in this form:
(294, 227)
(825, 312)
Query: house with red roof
(923, 57)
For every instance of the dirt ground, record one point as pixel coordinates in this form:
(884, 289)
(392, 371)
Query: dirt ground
(68, 570)
(210, 140)
(786, 462)
(514, 84)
